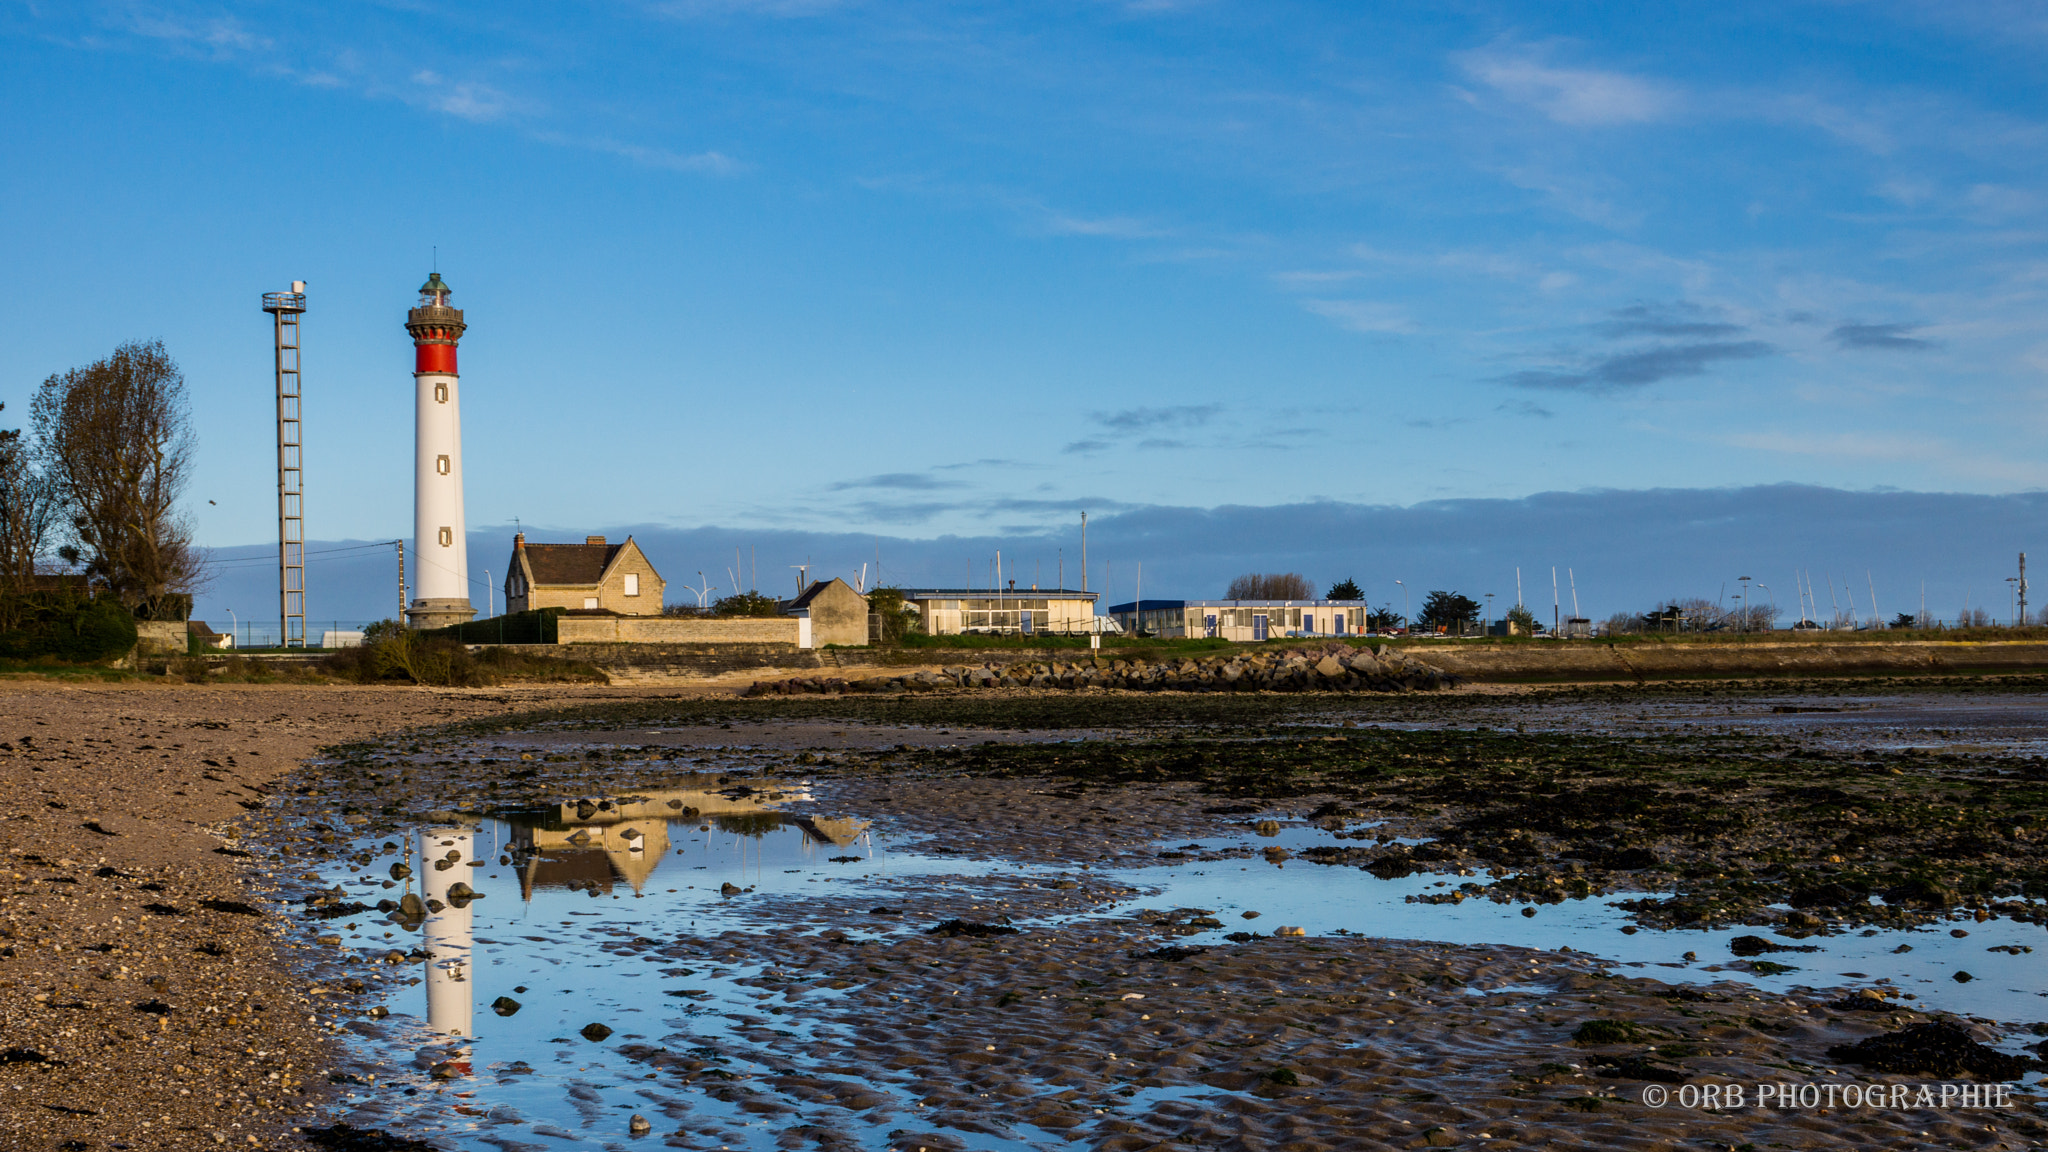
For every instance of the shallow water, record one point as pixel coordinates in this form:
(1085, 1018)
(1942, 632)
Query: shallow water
(1330, 900)
(571, 900)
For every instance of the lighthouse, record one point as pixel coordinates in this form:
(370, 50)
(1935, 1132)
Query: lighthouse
(441, 590)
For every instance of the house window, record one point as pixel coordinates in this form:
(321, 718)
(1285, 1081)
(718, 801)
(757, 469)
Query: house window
(440, 391)
(590, 601)
(632, 583)
(441, 464)
(447, 537)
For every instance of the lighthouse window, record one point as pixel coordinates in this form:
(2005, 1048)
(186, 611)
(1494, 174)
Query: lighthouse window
(632, 583)
(440, 391)
(441, 465)
(447, 538)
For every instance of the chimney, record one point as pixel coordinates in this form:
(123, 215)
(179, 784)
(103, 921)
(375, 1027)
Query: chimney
(598, 540)
(519, 539)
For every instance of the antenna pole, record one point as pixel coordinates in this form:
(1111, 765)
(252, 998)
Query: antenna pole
(1084, 551)
(285, 309)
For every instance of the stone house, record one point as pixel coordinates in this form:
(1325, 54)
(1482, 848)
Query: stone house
(591, 576)
(837, 614)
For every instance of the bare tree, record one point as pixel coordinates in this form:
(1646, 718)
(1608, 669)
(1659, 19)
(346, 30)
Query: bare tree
(31, 507)
(1274, 586)
(116, 438)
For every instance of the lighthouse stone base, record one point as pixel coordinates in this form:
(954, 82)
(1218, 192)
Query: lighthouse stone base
(439, 613)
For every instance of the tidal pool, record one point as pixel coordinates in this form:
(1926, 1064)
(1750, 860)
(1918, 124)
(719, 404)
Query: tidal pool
(490, 1041)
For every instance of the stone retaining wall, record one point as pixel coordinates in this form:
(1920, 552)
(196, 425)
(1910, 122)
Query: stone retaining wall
(627, 662)
(677, 630)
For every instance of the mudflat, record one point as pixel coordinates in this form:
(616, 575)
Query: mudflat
(1021, 976)
(143, 999)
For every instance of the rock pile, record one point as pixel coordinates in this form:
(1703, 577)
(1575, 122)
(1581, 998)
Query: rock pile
(1332, 667)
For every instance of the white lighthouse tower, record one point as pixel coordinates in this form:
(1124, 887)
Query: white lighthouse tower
(441, 591)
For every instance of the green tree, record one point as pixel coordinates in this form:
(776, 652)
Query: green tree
(1384, 619)
(746, 604)
(1441, 609)
(31, 510)
(1524, 620)
(1905, 620)
(894, 617)
(116, 438)
(1270, 586)
(1345, 589)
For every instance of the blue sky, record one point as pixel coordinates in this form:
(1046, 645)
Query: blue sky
(918, 270)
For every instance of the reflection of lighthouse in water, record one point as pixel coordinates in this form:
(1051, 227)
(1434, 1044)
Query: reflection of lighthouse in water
(444, 853)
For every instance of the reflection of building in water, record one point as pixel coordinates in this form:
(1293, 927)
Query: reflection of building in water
(444, 856)
(593, 843)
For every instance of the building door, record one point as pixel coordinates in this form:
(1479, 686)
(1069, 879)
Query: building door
(1258, 626)
(1209, 624)
(1024, 621)
(1338, 621)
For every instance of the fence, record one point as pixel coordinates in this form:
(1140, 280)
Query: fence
(247, 634)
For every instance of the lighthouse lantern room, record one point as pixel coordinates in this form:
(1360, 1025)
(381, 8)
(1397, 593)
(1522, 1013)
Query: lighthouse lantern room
(441, 590)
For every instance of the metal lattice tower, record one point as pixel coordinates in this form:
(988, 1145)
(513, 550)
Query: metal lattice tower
(284, 308)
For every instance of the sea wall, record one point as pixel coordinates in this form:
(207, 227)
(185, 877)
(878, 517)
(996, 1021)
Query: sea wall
(1597, 660)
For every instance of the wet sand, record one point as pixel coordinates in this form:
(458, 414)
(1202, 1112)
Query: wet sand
(1060, 1034)
(146, 998)
(1069, 1032)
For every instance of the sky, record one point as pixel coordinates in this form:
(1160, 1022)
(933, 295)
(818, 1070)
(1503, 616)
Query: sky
(943, 276)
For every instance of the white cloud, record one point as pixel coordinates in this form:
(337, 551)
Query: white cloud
(1115, 227)
(688, 9)
(468, 99)
(1582, 97)
(713, 163)
(222, 34)
(1363, 315)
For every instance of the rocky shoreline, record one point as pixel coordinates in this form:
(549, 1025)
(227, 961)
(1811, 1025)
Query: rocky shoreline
(1331, 667)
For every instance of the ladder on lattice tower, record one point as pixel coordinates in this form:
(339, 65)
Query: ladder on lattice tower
(285, 308)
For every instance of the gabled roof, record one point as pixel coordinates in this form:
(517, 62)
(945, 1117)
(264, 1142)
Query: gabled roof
(581, 564)
(816, 589)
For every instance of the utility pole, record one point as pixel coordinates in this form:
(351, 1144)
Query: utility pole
(2023, 589)
(1084, 551)
(1744, 581)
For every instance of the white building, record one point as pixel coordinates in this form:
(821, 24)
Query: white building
(1250, 620)
(1012, 611)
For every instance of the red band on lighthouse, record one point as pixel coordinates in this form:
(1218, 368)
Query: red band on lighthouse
(434, 358)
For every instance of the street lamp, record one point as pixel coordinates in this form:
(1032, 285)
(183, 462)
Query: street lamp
(702, 590)
(234, 626)
(1405, 621)
(1774, 602)
(1489, 609)
(1744, 581)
